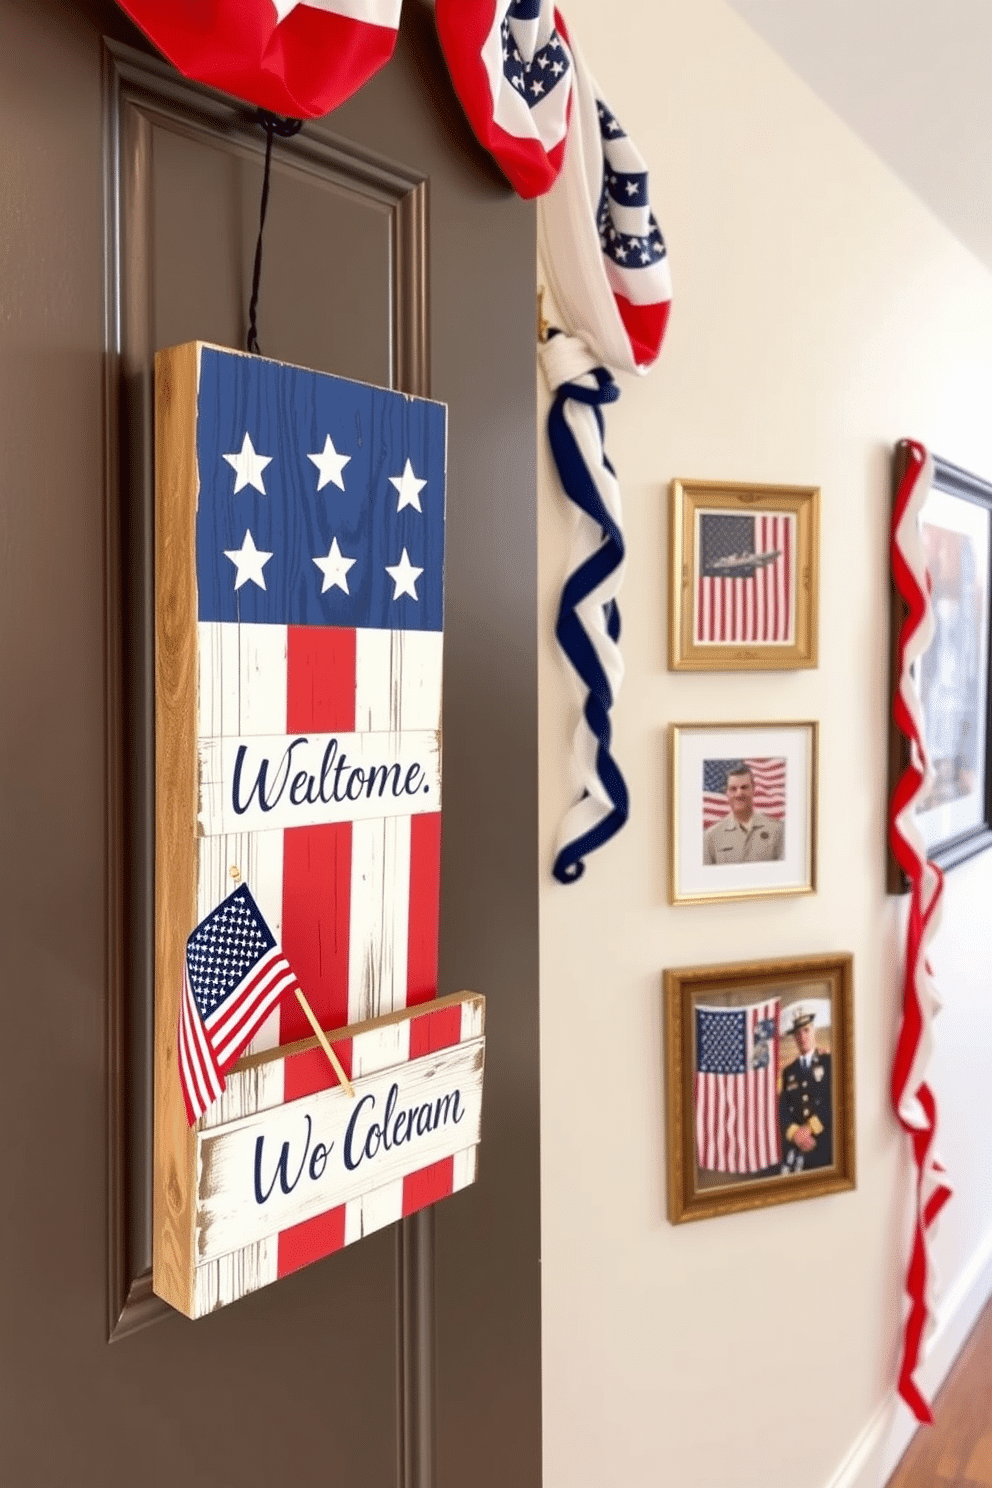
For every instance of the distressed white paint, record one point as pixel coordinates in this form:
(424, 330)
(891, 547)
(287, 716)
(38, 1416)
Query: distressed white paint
(308, 778)
(398, 679)
(242, 679)
(228, 1214)
(224, 1280)
(380, 909)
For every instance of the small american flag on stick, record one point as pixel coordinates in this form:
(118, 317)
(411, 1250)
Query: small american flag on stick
(737, 1127)
(768, 775)
(745, 566)
(234, 975)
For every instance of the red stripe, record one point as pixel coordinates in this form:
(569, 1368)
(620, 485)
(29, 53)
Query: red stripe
(311, 1241)
(316, 888)
(764, 578)
(425, 890)
(786, 529)
(320, 679)
(429, 1185)
(316, 908)
(700, 622)
(441, 1030)
(305, 1074)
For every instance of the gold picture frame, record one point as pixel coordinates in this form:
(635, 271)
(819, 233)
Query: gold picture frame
(731, 838)
(744, 577)
(750, 1123)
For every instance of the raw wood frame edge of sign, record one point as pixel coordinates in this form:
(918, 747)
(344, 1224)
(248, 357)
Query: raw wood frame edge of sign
(176, 487)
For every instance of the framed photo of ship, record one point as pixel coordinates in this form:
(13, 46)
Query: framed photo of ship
(744, 580)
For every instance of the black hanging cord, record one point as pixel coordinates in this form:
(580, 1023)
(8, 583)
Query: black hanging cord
(273, 124)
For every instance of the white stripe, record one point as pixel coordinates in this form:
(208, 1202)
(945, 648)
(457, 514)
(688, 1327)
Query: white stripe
(464, 1166)
(380, 1048)
(380, 914)
(631, 220)
(373, 1211)
(473, 1017)
(372, 12)
(242, 679)
(398, 680)
(216, 1283)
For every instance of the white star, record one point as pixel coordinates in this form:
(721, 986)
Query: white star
(537, 87)
(409, 488)
(404, 576)
(248, 466)
(249, 561)
(335, 569)
(330, 464)
(631, 188)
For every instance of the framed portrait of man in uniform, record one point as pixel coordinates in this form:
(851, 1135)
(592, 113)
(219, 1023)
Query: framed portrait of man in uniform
(760, 1084)
(743, 810)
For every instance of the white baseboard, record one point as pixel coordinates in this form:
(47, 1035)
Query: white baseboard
(876, 1452)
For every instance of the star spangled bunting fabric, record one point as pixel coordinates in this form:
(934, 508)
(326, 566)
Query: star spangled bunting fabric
(736, 1096)
(512, 69)
(294, 57)
(607, 267)
(769, 776)
(745, 580)
(233, 976)
(319, 561)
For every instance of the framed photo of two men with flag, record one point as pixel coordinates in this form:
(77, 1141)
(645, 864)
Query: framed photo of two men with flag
(759, 1083)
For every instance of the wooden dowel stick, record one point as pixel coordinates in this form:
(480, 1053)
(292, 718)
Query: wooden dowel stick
(336, 1064)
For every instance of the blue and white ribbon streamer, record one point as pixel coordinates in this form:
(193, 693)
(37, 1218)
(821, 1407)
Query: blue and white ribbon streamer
(588, 626)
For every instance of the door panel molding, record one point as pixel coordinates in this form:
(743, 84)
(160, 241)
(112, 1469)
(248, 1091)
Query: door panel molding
(142, 94)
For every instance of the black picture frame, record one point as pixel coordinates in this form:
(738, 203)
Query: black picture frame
(959, 846)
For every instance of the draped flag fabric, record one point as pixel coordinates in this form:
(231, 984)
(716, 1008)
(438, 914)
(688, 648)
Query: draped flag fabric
(234, 975)
(294, 57)
(524, 85)
(912, 1096)
(512, 69)
(608, 271)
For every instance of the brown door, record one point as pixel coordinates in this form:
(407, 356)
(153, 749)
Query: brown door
(393, 253)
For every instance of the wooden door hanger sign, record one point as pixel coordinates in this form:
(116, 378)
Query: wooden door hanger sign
(310, 1086)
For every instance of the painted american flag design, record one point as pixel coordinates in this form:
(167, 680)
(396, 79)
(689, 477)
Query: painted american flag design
(736, 1098)
(745, 578)
(319, 567)
(768, 774)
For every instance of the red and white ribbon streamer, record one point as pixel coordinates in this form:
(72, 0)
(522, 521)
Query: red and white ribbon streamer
(912, 1097)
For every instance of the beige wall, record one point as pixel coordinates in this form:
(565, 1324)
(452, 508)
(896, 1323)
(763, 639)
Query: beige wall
(820, 314)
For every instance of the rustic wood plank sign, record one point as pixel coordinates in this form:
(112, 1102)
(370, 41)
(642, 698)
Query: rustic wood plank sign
(299, 606)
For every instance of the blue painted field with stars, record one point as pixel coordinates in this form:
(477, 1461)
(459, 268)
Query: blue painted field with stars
(321, 500)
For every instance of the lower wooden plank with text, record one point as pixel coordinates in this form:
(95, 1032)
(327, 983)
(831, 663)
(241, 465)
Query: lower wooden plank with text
(290, 1168)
